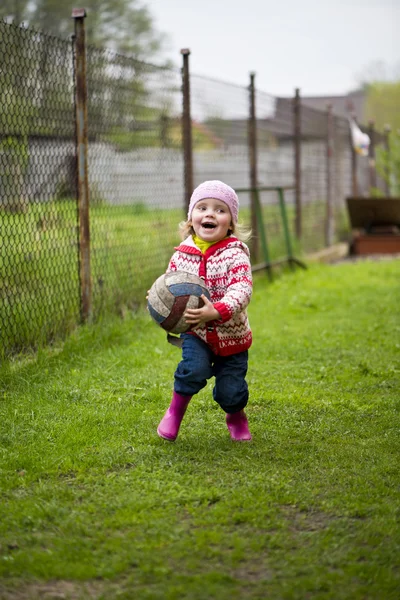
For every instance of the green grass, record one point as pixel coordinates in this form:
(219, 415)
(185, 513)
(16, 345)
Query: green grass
(39, 280)
(95, 505)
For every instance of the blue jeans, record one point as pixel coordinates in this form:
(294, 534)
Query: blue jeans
(199, 363)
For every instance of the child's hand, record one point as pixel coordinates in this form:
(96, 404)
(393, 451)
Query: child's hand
(199, 316)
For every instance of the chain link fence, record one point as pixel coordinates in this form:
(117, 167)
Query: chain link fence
(136, 176)
(39, 285)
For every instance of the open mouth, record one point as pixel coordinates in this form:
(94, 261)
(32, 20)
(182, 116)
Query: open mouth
(208, 225)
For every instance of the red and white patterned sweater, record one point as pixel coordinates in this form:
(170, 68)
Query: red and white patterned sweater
(226, 270)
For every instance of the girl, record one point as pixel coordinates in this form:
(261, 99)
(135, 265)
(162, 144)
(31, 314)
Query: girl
(220, 336)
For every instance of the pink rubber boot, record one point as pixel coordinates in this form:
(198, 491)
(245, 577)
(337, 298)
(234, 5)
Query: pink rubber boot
(238, 426)
(171, 421)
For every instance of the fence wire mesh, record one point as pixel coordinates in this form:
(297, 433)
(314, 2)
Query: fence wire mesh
(136, 176)
(39, 290)
(220, 134)
(135, 172)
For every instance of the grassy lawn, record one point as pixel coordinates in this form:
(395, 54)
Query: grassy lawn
(95, 506)
(39, 282)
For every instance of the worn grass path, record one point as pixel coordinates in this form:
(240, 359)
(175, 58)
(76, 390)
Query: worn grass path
(95, 505)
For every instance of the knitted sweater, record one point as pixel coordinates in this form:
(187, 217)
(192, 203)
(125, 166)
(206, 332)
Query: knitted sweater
(226, 270)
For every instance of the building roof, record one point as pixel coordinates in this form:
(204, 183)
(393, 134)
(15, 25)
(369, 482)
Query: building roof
(342, 106)
(313, 119)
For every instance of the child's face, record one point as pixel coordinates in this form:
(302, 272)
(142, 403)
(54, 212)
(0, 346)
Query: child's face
(211, 219)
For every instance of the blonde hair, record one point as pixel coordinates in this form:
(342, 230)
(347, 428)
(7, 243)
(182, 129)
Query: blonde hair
(240, 231)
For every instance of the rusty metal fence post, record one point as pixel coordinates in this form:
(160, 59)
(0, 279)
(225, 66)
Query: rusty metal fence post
(187, 130)
(297, 160)
(387, 169)
(354, 179)
(252, 141)
(371, 157)
(82, 163)
(329, 230)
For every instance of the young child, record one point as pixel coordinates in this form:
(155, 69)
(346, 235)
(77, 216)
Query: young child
(220, 335)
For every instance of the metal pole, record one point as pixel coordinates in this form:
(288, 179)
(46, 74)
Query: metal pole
(263, 237)
(329, 164)
(286, 231)
(371, 157)
(164, 124)
(186, 130)
(388, 171)
(79, 15)
(297, 160)
(354, 179)
(252, 141)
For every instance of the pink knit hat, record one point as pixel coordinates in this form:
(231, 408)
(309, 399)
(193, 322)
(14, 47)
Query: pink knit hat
(218, 191)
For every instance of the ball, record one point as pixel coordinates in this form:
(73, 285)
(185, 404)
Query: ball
(169, 297)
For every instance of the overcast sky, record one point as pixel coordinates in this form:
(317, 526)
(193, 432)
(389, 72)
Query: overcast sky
(320, 46)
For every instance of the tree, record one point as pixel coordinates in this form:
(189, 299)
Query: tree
(382, 104)
(36, 80)
(376, 70)
(16, 114)
(382, 100)
(381, 86)
(121, 25)
(388, 163)
(14, 10)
